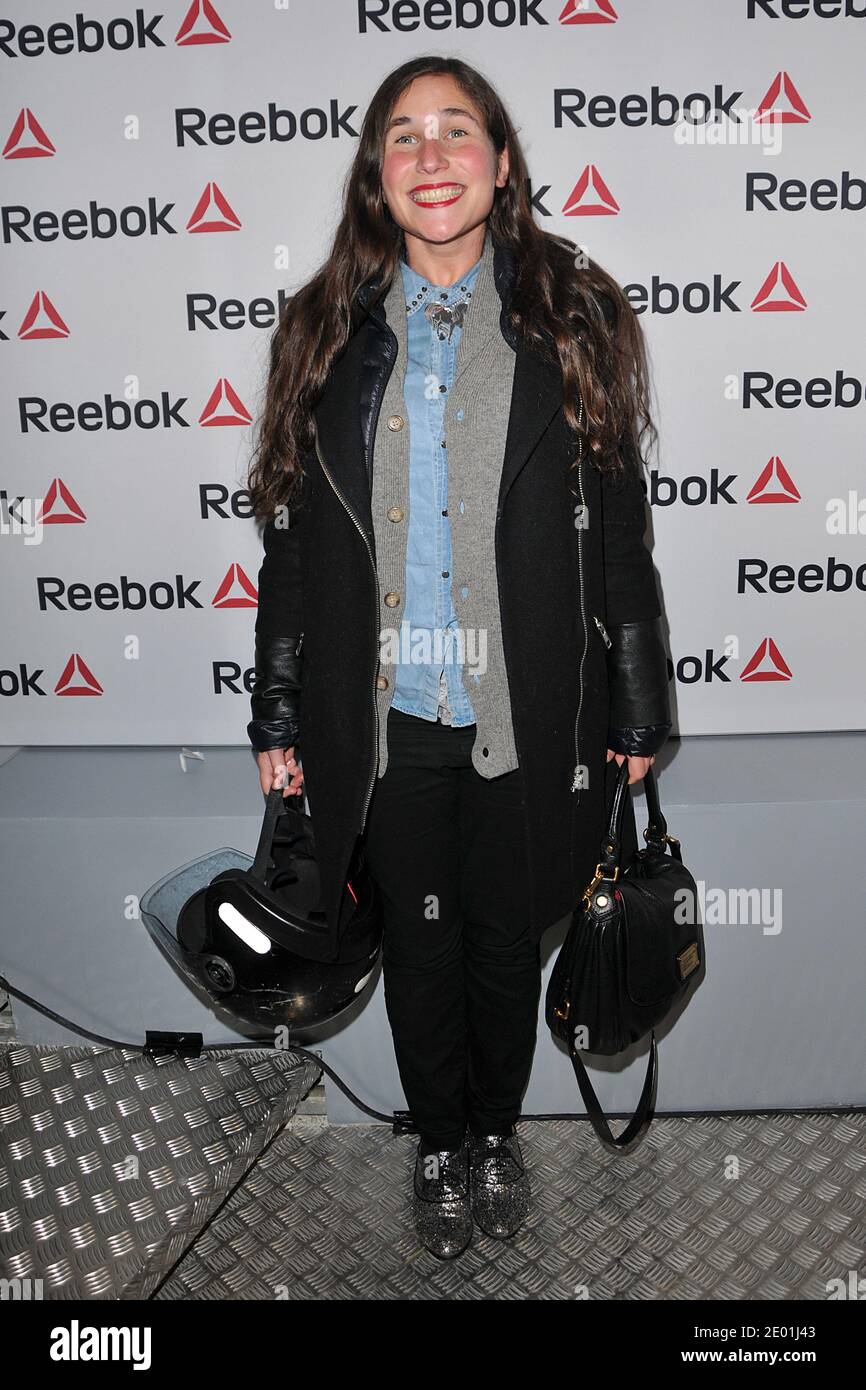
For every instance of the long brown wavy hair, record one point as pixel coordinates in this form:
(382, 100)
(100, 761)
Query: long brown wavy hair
(557, 304)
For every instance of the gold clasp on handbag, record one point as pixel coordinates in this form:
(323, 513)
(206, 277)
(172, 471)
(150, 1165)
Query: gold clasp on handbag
(597, 877)
(669, 839)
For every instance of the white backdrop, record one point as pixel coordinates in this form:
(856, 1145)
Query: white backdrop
(168, 170)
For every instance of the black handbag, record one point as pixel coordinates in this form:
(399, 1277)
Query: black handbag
(632, 949)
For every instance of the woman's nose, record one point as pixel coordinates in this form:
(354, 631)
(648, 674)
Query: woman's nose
(430, 155)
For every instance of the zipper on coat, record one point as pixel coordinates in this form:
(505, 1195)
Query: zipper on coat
(603, 630)
(578, 781)
(375, 621)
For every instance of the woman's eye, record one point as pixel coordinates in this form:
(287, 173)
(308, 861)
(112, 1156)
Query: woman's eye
(455, 130)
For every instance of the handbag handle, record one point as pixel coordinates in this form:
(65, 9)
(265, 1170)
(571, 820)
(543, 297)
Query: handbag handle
(655, 834)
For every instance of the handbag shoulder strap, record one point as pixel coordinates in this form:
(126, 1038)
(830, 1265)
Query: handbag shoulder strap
(642, 1117)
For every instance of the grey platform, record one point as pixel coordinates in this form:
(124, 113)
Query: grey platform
(720, 1207)
(111, 1163)
(325, 1215)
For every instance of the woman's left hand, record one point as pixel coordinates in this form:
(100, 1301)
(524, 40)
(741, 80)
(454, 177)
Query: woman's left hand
(636, 766)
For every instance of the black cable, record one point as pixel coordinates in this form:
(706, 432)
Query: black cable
(400, 1120)
(265, 1041)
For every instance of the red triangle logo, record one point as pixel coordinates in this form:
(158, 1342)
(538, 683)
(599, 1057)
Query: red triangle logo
(779, 293)
(236, 590)
(201, 24)
(588, 12)
(782, 103)
(27, 139)
(59, 507)
(766, 664)
(774, 484)
(213, 213)
(77, 679)
(590, 197)
(225, 406)
(42, 320)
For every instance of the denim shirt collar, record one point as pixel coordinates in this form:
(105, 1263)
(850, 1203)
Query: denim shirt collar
(420, 291)
(504, 275)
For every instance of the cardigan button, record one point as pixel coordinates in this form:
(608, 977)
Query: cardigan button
(395, 422)
(392, 599)
(381, 682)
(395, 513)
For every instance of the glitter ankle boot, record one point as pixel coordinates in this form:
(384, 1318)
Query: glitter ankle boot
(440, 1201)
(498, 1183)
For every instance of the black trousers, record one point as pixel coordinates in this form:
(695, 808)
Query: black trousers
(462, 978)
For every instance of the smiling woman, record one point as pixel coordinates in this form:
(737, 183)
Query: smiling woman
(451, 431)
(435, 136)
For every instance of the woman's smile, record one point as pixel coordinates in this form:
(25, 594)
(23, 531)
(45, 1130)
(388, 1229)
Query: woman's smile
(436, 195)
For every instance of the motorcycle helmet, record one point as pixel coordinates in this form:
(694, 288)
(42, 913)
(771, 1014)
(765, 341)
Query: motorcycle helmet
(252, 936)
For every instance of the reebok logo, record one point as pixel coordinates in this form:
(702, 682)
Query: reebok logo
(192, 125)
(201, 25)
(212, 213)
(802, 9)
(407, 16)
(84, 36)
(833, 578)
(762, 388)
(224, 408)
(235, 590)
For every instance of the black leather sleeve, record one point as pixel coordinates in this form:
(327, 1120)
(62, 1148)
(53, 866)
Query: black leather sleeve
(639, 719)
(640, 716)
(276, 699)
(275, 702)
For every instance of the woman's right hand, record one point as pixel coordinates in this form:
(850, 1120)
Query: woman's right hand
(277, 767)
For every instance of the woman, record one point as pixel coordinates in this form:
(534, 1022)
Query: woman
(459, 627)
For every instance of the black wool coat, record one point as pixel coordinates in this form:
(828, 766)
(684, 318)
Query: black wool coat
(579, 609)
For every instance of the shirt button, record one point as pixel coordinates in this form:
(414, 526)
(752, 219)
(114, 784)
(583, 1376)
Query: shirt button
(460, 414)
(395, 513)
(382, 682)
(445, 574)
(485, 751)
(445, 513)
(392, 599)
(395, 422)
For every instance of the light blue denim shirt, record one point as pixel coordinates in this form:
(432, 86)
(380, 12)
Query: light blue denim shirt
(429, 625)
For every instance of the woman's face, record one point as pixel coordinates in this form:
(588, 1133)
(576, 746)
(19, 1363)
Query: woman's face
(439, 168)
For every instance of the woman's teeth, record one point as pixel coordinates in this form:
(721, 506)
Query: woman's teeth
(437, 195)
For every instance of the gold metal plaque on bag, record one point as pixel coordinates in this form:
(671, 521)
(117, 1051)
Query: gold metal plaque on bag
(687, 960)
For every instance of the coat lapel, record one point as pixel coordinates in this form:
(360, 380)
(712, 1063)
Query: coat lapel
(536, 397)
(339, 422)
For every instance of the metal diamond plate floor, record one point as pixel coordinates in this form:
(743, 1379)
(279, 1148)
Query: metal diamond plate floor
(719, 1207)
(111, 1163)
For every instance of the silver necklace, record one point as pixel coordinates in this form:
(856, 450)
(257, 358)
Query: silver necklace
(444, 317)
